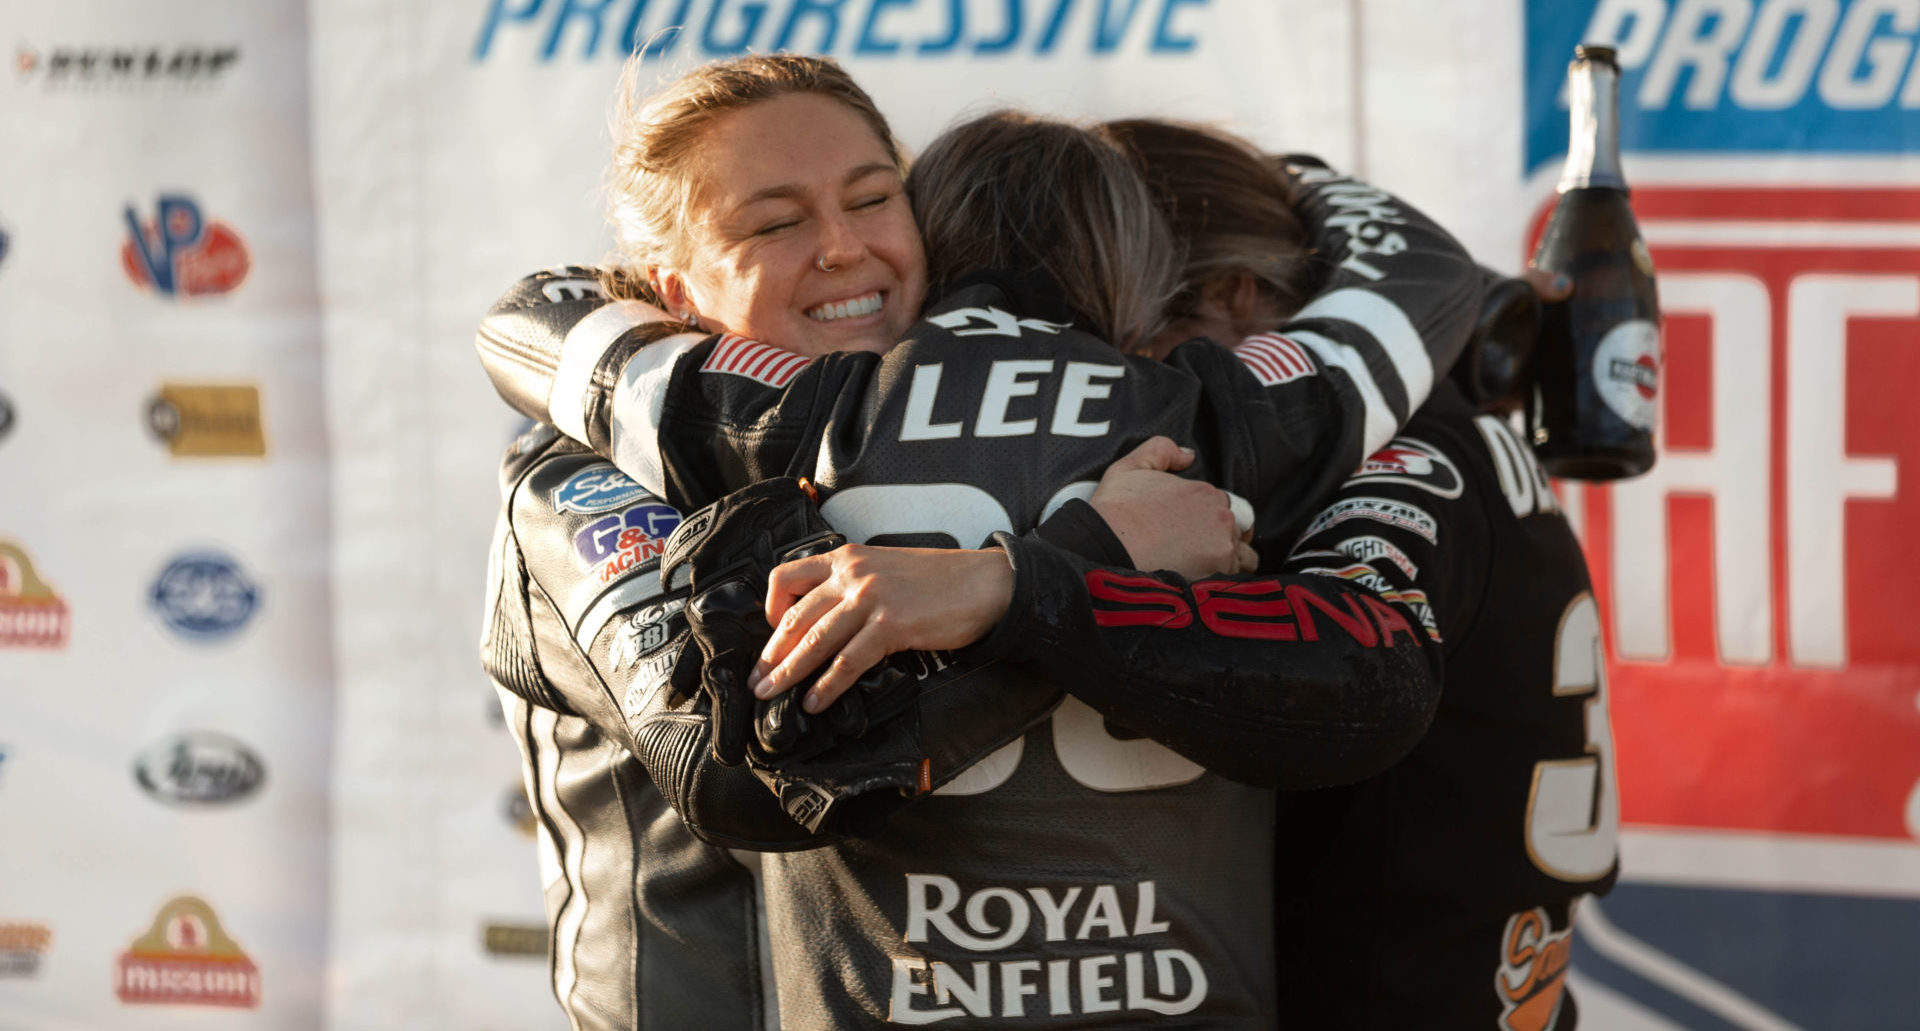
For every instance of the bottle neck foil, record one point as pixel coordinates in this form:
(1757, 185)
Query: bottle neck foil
(1593, 140)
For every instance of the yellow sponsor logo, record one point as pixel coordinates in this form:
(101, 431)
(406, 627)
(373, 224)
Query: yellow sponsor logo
(201, 420)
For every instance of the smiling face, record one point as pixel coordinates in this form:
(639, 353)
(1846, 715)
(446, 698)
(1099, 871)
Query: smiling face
(784, 185)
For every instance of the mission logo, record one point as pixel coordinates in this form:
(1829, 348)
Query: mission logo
(32, 615)
(186, 959)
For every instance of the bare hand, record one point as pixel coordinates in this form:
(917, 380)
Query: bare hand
(1549, 286)
(856, 605)
(1167, 522)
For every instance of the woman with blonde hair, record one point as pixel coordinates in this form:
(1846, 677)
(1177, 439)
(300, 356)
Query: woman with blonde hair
(997, 364)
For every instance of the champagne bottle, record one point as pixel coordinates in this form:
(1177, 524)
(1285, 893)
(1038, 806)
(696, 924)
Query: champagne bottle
(1597, 366)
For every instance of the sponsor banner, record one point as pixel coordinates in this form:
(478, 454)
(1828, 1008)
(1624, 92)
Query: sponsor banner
(1834, 77)
(203, 596)
(180, 252)
(32, 613)
(205, 420)
(187, 959)
(199, 767)
(903, 31)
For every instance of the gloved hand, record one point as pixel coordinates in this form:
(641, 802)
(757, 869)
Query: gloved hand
(723, 553)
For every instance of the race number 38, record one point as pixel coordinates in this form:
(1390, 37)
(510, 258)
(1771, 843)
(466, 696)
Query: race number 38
(1091, 756)
(1573, 809)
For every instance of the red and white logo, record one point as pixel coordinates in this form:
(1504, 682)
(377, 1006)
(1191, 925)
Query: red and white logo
(1415, 463)
(32, 614)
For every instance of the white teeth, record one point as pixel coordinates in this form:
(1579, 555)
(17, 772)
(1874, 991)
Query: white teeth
(846, 309)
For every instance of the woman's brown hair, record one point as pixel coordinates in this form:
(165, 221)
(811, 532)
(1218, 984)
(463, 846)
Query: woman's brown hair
(1014, 192)
(1228, 204)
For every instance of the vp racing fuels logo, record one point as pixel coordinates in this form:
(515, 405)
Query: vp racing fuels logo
(186, 958)
(180, 252)
(613, 546)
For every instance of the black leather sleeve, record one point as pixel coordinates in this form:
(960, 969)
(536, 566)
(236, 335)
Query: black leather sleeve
(1292, 412)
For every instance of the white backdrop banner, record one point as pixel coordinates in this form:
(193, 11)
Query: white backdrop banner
(166, 692)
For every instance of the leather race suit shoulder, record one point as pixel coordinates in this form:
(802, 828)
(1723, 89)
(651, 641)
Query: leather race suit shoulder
(1441, 892)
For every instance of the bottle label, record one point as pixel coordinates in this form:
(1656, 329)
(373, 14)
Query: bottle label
(1626, 372)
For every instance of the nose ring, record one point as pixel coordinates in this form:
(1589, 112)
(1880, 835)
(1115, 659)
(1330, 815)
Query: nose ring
(821, 264)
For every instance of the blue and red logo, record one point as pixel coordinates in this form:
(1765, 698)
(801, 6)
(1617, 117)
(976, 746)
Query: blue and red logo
(618, 544)
(182, 253)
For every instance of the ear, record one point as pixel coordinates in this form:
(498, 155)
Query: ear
(1241, 296)
(671, 288)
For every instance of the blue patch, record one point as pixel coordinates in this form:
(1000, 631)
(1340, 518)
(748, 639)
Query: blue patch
(618, 544)
(204, 596)
(1732, 77)
(597, 488)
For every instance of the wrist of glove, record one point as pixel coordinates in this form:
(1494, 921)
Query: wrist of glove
(723, 554)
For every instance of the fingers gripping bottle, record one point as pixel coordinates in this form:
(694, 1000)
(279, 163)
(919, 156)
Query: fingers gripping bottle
(1597, 365)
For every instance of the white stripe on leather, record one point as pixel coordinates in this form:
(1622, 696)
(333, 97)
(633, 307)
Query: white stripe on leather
(572, 849)
(637, 402)
(1389, 325)
(1381, 423)
(628, 592)
(580, 354)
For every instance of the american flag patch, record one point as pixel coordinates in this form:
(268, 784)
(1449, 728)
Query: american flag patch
(765, 363)
(1274, 359)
